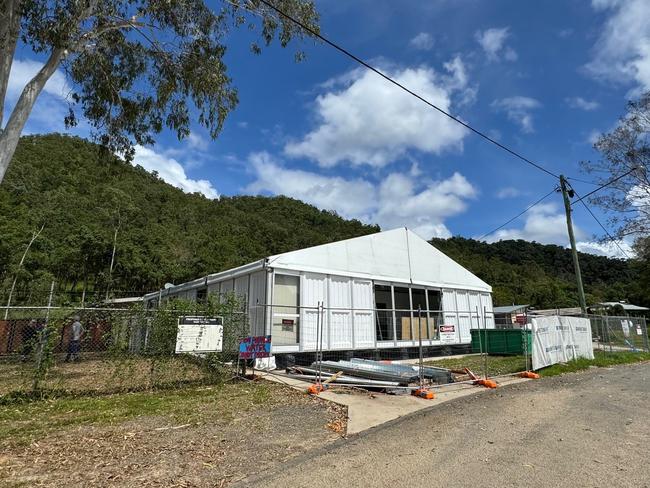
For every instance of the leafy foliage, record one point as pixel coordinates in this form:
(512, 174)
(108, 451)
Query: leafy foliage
(524, 272)
(625, 158)
(136, 67)
(165, 235)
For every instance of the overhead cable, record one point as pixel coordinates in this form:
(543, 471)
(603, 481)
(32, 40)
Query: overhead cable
(602, 186)
(519, 214)
(407, 90)
(611, 238)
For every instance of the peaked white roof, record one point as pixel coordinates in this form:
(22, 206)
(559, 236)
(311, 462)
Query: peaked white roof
(397, 255)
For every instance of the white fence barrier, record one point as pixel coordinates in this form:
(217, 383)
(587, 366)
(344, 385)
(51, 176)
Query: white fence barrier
(559, 339)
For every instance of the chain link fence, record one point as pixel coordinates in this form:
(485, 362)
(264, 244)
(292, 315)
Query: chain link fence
(53, 350)
(616, 334)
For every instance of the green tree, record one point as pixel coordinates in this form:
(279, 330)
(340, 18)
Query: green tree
(135, 67)
(625, 156)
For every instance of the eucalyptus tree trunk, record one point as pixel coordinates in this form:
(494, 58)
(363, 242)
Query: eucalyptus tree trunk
(9, 26)
(10, 134)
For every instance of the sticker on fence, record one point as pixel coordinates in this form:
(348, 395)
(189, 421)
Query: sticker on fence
(199, 334)
(253, 347)
(558, 339)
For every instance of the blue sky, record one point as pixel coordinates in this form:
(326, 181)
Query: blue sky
(543, 78)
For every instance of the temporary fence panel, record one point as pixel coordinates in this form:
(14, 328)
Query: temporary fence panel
(312, 291)
(363, 303)
(256, 302)
(340, 297)
(558, 339)
(620, 333)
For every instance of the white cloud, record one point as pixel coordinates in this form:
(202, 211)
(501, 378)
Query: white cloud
(493, 42)
(544, 223)
(423, 206)
(370, 121)
(622, 52)
(23, 70)
(582, 104)
(423, 41)
(508, 192)
(172, 172)
(607, 248)
(50, 109)
(197, 141)
(518, 109)
(348, 197)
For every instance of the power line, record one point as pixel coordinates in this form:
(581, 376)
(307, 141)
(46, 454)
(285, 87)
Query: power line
(519, 214)
(611, 238)
(602, 186)
(396, 83)
(582, 181)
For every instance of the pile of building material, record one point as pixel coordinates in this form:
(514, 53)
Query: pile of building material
(371, 374)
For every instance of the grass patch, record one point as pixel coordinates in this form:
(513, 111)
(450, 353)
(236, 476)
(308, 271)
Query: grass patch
(497, 365)
(24, 422)
(601, 359)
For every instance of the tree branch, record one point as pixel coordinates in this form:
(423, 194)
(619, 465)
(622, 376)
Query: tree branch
(11, 133)
(9, 27)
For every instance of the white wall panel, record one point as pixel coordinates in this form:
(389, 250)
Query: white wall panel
(462, 301)
(364, 324)
(312, 291)
(448, 300)
(226, 286)
(486, 301)
(340, 297)
(475, 303)
(464, 326)
(241, 287)
(256, 301)
(214, 288)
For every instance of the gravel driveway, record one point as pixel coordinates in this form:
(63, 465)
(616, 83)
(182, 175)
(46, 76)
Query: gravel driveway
(590, 429)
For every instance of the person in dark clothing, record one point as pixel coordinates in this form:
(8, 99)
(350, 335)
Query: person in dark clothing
(75, 341)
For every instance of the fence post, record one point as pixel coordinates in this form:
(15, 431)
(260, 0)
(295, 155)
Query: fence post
(43, 339)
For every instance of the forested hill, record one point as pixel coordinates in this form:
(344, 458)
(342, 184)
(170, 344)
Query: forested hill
(82, 195)
(523, 272)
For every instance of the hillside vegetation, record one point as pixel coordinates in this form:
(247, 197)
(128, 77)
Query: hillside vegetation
(83, 196)
(523, 272)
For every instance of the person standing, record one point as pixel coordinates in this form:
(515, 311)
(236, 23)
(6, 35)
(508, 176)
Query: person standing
(75, 340)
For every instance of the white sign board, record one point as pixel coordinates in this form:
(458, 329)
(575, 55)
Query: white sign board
(199, 334)
(558, 339)
(448, 333)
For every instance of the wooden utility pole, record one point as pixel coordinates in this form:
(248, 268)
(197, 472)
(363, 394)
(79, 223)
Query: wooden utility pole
(572, 240)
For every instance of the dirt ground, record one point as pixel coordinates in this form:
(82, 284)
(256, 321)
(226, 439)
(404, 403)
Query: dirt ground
(588, 429)
(208, 440)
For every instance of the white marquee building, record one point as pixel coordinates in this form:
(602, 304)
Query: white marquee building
(371, 287)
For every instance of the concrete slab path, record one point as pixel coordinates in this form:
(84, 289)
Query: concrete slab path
(366, 410)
